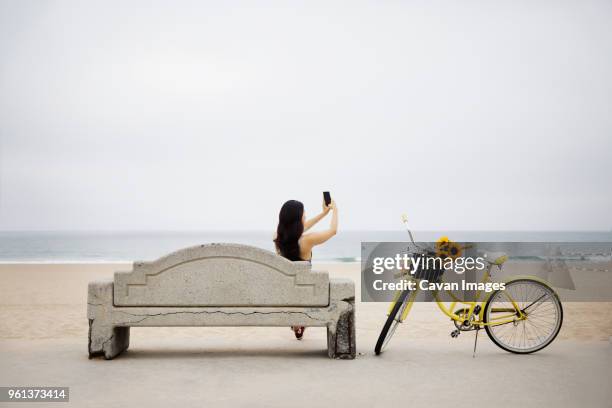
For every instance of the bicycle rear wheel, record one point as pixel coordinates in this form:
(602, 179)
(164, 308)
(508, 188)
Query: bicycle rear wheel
(544, 316)
(393, 320)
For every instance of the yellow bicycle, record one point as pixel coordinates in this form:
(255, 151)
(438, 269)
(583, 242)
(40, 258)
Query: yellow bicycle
(523, 318)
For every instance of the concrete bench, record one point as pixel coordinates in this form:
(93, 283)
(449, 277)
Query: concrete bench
(220, 285)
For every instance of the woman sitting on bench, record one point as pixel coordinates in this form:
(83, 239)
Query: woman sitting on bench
(291, 239)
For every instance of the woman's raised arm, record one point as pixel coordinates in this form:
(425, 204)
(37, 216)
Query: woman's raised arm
(319, 237)
(311, 222)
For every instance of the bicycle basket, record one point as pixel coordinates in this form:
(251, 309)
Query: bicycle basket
(431, 274)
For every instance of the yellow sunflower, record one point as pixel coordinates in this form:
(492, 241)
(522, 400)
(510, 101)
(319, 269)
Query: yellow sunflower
(442, 242)
(454, 250)
(442, 247)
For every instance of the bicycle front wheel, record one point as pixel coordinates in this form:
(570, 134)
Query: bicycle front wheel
(392, 322)
(541, 324)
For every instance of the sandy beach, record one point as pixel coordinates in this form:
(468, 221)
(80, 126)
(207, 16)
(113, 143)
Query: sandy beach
(43, 341)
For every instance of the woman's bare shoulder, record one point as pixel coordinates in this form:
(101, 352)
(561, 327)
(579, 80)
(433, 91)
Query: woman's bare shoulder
(306, 240)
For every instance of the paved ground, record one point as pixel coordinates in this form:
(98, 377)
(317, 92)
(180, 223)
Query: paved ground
(233, 367)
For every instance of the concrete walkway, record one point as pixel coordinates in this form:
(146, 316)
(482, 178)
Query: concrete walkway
(248, 368)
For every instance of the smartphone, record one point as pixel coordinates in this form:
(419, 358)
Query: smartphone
(327, 198)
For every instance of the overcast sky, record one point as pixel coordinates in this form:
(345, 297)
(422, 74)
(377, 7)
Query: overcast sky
(209, 115)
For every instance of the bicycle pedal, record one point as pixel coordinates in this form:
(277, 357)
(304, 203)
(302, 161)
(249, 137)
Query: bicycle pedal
(455, 333)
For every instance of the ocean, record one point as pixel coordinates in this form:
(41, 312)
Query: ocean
(99, 247)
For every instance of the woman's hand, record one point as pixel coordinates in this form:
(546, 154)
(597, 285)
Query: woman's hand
(332, 206)
(326, 208)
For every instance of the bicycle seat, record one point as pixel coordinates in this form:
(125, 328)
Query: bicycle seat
(493, 258)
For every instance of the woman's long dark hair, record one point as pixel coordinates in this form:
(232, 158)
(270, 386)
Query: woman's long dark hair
(289, 230)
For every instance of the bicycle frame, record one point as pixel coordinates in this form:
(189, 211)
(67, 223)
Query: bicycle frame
(514, 313)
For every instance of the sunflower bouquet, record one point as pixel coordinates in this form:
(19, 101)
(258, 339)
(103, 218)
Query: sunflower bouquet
(445, 248)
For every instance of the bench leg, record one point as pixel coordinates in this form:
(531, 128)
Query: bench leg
(341, 339)
(107, 341)
(104, 338)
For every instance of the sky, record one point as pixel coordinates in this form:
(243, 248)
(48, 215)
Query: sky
(478, 115)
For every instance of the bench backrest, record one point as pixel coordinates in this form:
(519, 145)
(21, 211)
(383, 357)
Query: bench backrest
(221, 275)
